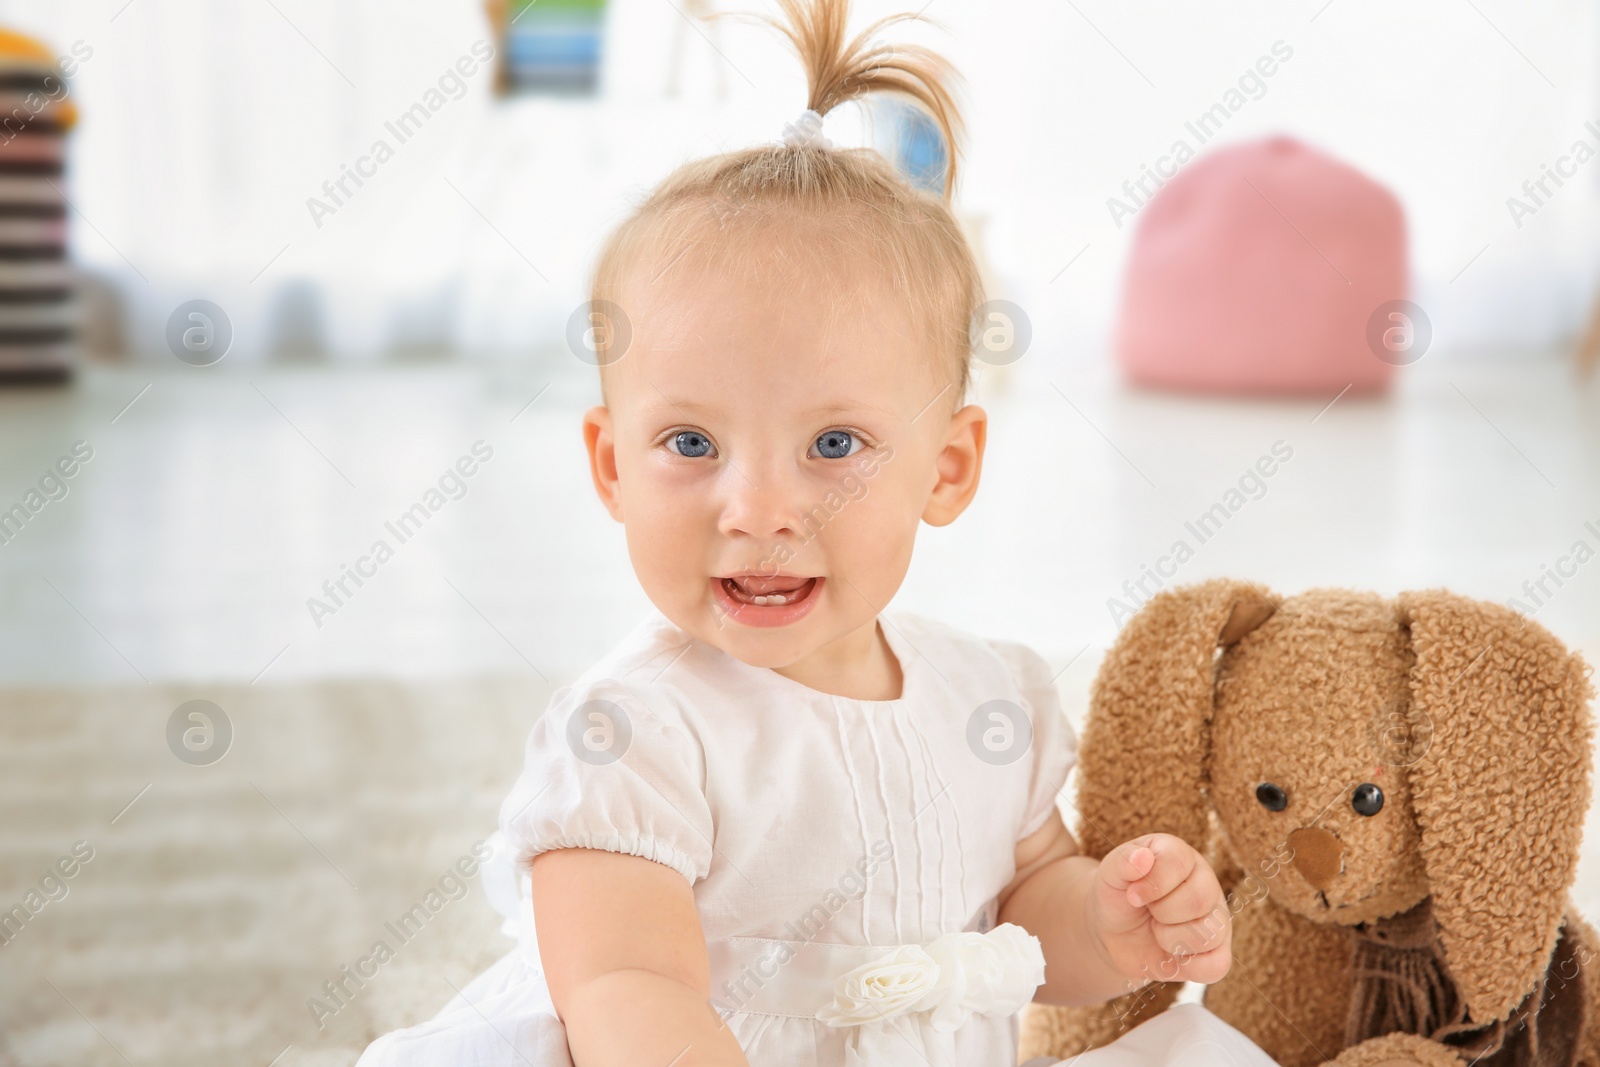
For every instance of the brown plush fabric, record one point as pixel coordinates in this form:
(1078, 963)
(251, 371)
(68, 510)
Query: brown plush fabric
(1429, 748)
(1401, 985)
(1502, 792)
(1145, 738)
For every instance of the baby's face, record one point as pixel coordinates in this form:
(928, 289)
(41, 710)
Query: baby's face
(771, 461)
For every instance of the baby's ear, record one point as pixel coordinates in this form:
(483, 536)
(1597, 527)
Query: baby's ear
(959, 464)
(1146, 749)
(602, 449)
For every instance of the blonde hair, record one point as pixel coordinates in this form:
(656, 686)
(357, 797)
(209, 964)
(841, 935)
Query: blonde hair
(850, 201)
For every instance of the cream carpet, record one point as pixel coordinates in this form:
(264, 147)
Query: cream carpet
(225, 896)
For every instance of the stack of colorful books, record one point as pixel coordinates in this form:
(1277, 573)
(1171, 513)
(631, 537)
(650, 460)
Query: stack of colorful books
(552, 46)
(37, 310)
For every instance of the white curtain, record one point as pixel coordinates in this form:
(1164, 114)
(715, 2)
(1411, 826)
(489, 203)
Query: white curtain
(208, 124)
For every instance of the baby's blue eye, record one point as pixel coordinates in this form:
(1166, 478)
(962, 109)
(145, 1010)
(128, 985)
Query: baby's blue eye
(837, 444)
(690, 443)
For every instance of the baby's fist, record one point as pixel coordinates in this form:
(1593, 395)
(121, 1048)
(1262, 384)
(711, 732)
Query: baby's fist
(1159, 913)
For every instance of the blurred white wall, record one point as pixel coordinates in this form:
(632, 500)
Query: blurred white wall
(207, 126)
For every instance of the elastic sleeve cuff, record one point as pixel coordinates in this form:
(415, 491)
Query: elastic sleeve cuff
(626, 844)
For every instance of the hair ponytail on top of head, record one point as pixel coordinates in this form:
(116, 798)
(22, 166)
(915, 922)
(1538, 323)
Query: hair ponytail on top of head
(838, 71)
(844, 207)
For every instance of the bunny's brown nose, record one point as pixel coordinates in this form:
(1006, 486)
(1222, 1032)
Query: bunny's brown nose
(1316, 855)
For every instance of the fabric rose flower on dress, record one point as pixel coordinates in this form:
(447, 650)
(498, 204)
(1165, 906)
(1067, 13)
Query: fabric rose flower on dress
(882, 989)
(985, 974)
(952, 977)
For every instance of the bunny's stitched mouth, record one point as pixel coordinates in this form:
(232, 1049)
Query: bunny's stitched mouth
(1322, 898)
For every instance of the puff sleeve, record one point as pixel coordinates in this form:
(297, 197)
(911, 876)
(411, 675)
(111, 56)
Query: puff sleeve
(1055, 744)
(609, 766)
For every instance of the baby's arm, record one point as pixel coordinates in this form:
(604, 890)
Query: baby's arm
(1152, 909)
(625, 960)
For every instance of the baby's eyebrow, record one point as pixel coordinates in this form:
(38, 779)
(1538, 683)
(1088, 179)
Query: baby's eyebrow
(683, 408)
(661, 400)
(851, 408)
(830, 410)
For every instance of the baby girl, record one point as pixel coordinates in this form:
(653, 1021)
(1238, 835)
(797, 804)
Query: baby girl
(781, 823)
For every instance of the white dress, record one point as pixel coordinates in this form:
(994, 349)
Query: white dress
(825, 838)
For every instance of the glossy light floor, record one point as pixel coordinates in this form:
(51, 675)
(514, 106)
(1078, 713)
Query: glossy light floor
(221, 500)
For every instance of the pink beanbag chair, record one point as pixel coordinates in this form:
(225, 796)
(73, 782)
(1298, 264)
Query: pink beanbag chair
(1266, 268)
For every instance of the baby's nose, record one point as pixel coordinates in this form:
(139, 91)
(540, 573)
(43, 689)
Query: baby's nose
(762, 503)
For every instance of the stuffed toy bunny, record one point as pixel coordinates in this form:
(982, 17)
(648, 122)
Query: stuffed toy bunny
(1392, 793)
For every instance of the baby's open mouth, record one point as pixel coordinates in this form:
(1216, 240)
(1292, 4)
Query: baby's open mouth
(763, 591)
(765, 600)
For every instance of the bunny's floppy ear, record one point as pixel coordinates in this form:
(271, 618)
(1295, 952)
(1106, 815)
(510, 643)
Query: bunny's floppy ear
(1500, 791)
(1142, 760)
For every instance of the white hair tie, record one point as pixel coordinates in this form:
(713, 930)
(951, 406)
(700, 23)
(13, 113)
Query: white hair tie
(805, 131)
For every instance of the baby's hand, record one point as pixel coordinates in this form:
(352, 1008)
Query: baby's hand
(1159, 912)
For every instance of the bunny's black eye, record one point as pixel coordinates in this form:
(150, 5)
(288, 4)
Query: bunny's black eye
(1272, 797)
(1367, 799)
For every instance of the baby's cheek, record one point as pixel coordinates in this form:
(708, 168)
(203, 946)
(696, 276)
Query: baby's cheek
(871, 542)
(667, 545)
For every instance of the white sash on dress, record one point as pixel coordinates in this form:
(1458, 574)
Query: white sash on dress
(901, 1003)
